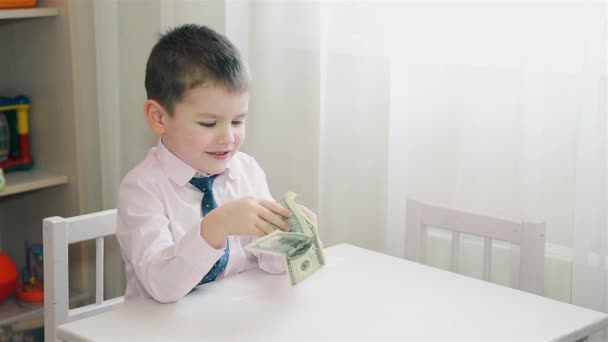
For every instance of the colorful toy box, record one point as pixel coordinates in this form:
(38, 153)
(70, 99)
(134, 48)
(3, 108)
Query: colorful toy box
(16, 111)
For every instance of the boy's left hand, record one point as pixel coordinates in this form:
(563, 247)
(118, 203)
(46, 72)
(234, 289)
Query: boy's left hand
(311, 216)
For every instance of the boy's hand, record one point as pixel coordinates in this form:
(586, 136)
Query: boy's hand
(311, 216)
(245, 216)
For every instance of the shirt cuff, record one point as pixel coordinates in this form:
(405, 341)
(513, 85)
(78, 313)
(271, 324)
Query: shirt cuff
(200, 254)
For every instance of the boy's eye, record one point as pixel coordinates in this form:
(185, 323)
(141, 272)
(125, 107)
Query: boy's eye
(237, 122)
(207, 124)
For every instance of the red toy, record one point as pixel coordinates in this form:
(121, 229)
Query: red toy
(8, 276)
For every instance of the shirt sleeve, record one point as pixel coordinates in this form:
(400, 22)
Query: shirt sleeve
(167, 269)
(268, 263)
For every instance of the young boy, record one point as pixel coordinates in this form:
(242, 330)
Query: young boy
(187, 210)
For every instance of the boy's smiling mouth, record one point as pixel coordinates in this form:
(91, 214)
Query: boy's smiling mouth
(219, 155)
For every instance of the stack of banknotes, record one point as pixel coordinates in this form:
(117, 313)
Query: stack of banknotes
(301, 245)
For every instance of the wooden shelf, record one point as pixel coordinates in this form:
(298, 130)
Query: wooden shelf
(22, 181)
(28, 13)
(16, 313)
(13, 310)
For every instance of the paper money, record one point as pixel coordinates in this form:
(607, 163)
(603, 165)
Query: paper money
(298, 221)
(300, 246)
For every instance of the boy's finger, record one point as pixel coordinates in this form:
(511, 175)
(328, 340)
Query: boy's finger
(258, 232)
(275, 207)
(274, 219)
(265, 227)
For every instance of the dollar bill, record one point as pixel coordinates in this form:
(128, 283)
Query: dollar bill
(301, 265)
(281, 243)
(301, 245)
(298, 222)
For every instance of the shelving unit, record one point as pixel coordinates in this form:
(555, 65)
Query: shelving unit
(23, 181)
(48, 55)
(16, 315)
(37, 62)
(28, 13)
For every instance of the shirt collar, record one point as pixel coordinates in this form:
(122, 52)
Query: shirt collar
(180, 172)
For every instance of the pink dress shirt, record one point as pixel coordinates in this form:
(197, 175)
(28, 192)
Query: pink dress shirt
(159, 213)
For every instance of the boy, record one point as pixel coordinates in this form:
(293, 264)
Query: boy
(187, 210)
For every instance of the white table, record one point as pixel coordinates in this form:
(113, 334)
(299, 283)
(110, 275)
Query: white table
(359, 294)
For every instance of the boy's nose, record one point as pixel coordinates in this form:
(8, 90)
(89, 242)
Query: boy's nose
(226, 138)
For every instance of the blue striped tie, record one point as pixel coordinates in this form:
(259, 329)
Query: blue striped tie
(208, 204)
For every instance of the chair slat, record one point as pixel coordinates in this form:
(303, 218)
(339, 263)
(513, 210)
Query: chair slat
(99, 270)
(422, 243)
(413, 241)
(455, 251)
(532, 258)
(91, 226)
(55, 237)
(487, 259)
(515, 283)
(473, 224)
(94, 309)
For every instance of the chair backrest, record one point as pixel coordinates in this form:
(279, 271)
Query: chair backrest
(529, 236)
(58, 233)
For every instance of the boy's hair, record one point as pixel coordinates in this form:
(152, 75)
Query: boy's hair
(189, 56)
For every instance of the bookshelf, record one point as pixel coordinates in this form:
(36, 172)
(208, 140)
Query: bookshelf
(49, 56)
(23, 181)
(28, 13)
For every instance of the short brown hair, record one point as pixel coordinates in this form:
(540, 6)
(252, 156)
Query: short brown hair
(189, 56)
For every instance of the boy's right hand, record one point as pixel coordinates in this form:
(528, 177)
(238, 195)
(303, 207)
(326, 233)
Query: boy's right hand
(245, 216)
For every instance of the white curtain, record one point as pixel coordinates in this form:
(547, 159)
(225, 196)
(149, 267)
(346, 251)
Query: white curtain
(470, 105)
(492, 107)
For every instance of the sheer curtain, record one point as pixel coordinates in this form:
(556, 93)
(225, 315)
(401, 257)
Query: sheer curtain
(450, 103)
(494, 107)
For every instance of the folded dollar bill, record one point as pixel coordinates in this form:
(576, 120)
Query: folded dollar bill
(300, 246)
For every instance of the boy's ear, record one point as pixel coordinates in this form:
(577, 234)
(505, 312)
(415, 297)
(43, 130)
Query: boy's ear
(156, 116)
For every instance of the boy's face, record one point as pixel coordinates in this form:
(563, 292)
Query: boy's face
(207, 127)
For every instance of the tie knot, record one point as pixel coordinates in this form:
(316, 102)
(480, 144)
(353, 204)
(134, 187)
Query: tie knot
(204, 184)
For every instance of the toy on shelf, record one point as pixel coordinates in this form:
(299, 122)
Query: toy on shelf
(2, 180)
(32, 287)
(5, 138)
(8, 276)
(16, 112)
(17, 3)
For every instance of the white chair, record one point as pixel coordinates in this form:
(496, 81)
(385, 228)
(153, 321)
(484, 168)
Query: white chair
(58, 233)
(530, 237)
